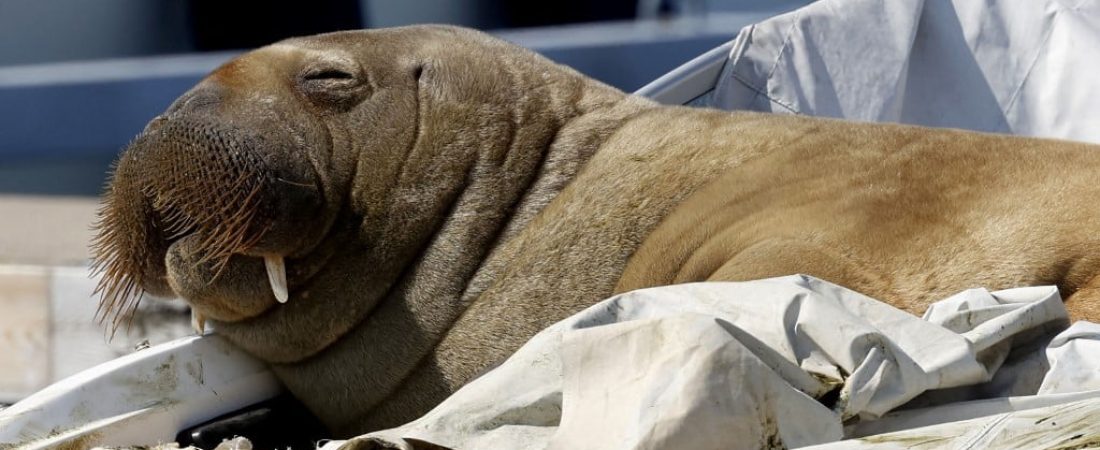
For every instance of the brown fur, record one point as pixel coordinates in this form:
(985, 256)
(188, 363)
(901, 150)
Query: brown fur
(441, 196)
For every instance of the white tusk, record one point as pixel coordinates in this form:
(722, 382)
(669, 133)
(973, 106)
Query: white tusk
(276, 274)
(198, 322)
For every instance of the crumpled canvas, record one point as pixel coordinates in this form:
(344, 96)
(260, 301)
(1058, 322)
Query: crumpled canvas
(1008, 66)
(777, 363)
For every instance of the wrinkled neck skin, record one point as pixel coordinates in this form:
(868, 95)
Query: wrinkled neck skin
(414, 247)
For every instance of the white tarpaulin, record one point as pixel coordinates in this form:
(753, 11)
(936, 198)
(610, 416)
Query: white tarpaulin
(784, 362)
(1019, 67)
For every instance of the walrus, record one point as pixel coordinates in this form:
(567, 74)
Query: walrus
(383, 215)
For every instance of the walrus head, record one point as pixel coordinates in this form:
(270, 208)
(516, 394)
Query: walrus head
(334, 203)
(202, 190)
(250, 165)
(332, 166)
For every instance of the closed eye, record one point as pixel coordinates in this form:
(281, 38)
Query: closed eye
(328, 74)
(334, 84)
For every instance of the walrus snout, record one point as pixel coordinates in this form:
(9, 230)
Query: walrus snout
(224, 190)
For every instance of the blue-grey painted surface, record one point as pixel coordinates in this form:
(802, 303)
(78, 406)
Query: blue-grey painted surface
(62, 124)
(469, 13)
(40, 31)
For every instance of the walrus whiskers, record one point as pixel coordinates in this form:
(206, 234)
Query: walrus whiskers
(230, 218)
(119, 258)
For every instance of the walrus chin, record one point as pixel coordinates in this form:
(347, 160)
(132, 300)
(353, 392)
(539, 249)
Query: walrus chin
(181, 179)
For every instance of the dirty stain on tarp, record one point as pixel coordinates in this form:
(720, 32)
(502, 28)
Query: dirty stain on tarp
(142, 399)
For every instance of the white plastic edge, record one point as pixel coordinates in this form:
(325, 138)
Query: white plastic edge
(144, 398)
(687, 82)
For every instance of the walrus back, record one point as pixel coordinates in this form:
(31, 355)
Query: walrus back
(904, 214)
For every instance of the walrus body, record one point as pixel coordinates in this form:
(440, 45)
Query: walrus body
(437, 196)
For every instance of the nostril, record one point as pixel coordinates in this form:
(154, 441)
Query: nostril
(205, 95)
(154, 124)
